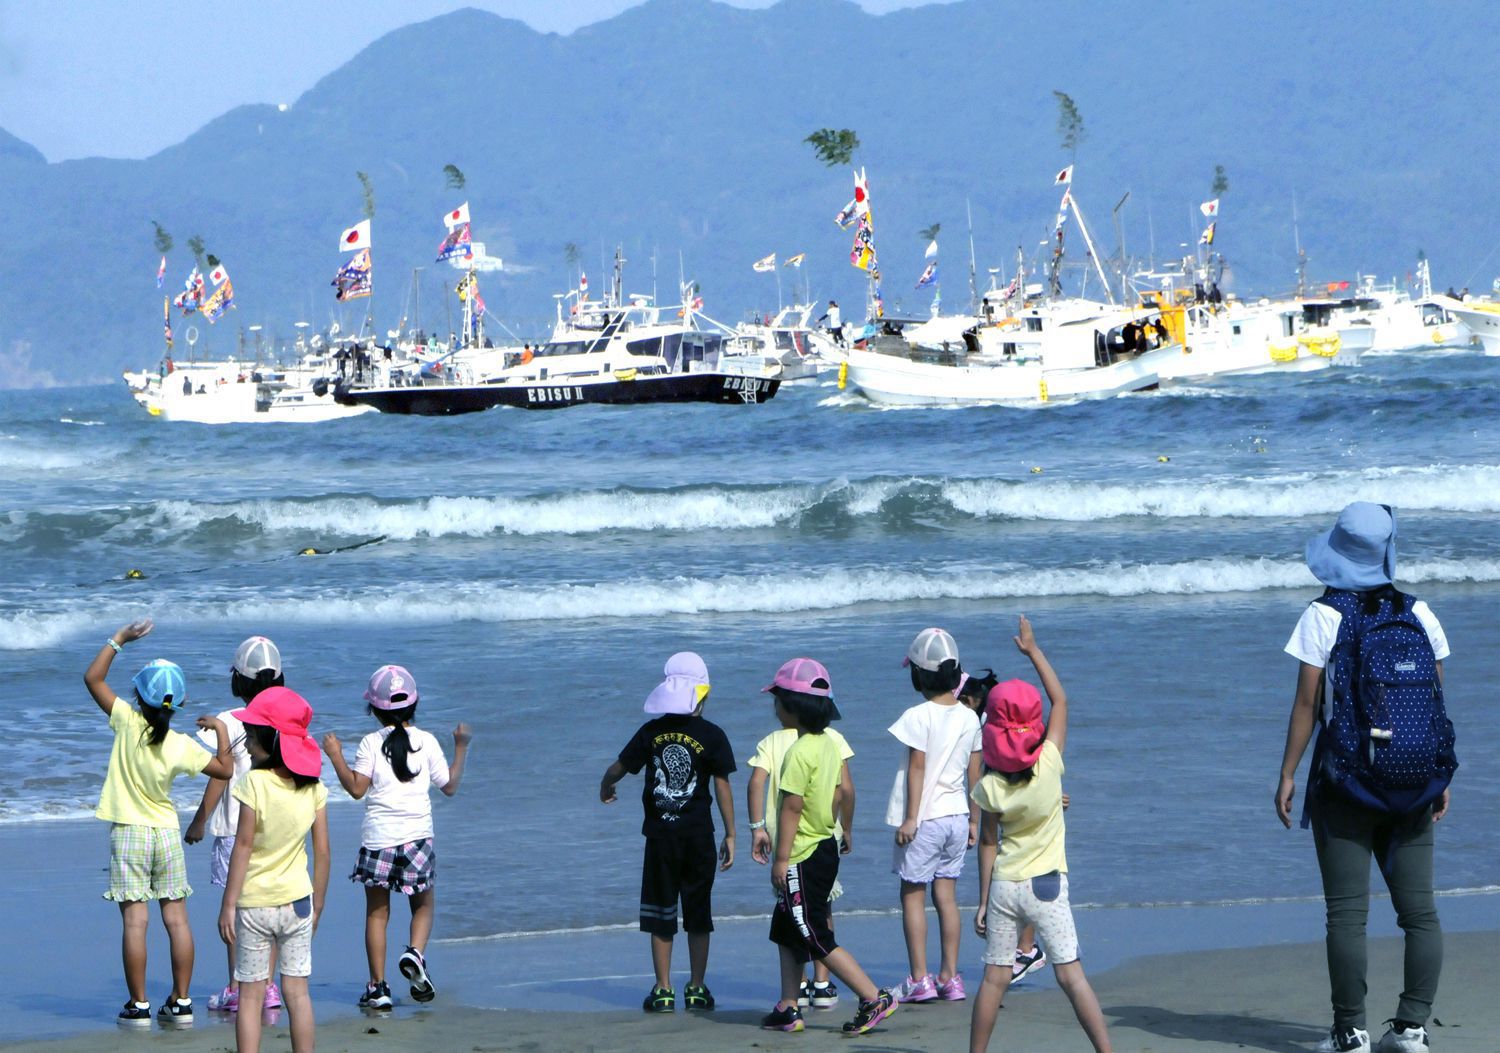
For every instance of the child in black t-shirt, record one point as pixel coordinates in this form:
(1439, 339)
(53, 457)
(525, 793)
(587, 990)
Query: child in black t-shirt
(684, 751)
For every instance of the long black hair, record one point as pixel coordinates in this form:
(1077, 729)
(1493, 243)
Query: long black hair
(158, 721)
(977, 687)
(397, 745)
(268, 740)
(939, 681)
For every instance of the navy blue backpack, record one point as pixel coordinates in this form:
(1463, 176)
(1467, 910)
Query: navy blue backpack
(1386, 741)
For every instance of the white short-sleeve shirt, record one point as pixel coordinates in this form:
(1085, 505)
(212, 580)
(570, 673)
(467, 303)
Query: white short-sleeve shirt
(1318, 629)
(939, 731)
(224, 820)
(396, 812)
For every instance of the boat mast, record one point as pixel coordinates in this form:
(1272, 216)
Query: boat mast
(973, 266)
(1301, 255)
(1089, 243)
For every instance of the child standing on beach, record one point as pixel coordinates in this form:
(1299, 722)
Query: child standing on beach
(1021, 795)
(256, 666)
(145, 854)
(935, 822)
(764, 796)
(270, 906)
(685, 752)
(807, 853)
(394, 769)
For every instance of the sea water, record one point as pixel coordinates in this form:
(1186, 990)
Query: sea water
(534, 571)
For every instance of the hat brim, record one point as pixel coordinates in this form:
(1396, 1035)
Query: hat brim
(674, 696)
(1340, 572)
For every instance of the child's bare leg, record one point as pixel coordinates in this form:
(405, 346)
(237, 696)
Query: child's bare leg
(661, 960)
(791, 977)
(697, 957)
(950, 927)
(1085, 1003)
(377, 917)
(247, 1020)
(180, 938)
(842, 964)
(914, 924)
(820, 968)
(134, 916)
(1027, 941)
(233, 984)
(423, 907)
(987, 1006)
(299, 1008)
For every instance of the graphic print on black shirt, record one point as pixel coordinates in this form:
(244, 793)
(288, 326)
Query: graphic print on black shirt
(683, 753)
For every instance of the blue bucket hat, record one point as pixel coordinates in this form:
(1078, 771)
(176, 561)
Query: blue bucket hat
(1359, 553)
(161, 685)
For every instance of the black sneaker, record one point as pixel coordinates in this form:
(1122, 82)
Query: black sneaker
(823, 996)
(872, 1012)
(377, 996)
(660, 1000)
(135, 1014)
(804, 995)
(779, 1019)
(176, 1012)
(697, 996)
(414, 967)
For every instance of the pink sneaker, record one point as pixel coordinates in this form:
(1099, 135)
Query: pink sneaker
(913, 990)
(226, 1001)
(953, 990)
(273, 997)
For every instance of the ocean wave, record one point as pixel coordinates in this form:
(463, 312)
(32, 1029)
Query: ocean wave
(721, 507)
(786, 592)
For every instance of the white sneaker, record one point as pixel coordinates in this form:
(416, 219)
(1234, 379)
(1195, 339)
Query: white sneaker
(1349, 1040)
(1412, 1040)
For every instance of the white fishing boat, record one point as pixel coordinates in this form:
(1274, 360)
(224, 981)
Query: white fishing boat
(1404, 321)
(1481, 317)
(230, 392)
(789, 340)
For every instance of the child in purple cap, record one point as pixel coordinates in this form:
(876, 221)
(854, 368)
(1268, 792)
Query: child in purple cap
(684, 752)
(807, 852)
(394, 770)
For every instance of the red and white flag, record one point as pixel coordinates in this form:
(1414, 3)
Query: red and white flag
(356, 237)
(583, 283)
(161, 271)
(457, 216)
(1064, 178)
(218, 275)
(1210, 209)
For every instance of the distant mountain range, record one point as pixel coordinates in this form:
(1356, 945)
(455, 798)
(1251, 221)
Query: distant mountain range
(677, 129)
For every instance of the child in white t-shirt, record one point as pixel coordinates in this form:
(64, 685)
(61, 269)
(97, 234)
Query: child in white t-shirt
(936, 823)
(394, 769)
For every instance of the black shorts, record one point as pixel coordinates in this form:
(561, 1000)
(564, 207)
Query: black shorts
(681, 867)
(802, 919)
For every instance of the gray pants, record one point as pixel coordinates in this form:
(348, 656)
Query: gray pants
(1347, 836)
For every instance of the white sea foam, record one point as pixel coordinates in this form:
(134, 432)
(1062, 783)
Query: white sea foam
(776, 593)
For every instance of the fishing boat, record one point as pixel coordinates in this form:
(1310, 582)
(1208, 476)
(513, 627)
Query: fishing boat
(1481, 317)
(789, 340)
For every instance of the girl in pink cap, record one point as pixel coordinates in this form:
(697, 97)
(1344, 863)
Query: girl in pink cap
(394, 770)
(1021, 795)
(270, 904)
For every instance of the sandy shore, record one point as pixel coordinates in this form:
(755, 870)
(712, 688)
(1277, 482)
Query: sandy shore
(1248, 976)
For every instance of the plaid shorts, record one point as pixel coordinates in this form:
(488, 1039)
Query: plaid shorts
(407, 869)
(146, 863)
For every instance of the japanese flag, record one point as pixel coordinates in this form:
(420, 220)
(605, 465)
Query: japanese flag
(1210, 209)
(457, 216)
(356, 237)
(218, 275)
(1064, 178)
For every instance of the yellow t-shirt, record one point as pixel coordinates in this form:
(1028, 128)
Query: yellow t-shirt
(770, 755)
(1031, 819)
(138, 788)
(277, 874)
(811, 771)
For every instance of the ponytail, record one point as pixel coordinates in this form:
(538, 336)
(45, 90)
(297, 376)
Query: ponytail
(158, 721)
(397, 746)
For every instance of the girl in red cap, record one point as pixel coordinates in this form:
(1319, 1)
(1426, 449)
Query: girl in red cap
(269, 901)
(1021, 794)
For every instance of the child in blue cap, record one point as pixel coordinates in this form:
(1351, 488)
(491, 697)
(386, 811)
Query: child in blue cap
(145, 850)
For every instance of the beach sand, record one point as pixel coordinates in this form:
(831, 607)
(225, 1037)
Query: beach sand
(1209, 977)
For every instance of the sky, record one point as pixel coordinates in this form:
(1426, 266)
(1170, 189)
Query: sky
(126, 78)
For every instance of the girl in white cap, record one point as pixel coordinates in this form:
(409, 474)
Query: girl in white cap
(1371, 678)
(393, 771)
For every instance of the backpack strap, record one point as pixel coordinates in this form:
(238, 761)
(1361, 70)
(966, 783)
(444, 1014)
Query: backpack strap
(1350, 607)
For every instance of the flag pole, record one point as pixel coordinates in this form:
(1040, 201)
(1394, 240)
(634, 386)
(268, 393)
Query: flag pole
(778, 287)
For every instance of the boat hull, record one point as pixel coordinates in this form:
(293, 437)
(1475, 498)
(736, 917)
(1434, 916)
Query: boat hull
(895, 380)
(446, 400)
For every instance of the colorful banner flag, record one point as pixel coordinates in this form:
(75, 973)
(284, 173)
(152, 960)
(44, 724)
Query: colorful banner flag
(161, 271)
(353, 281)
(1210, 209)
(463, 286)
(932, 250)
(457, 216)
(1062, 210)
(191, 296)
(862, 255)
(765, 265)
(218, 275)
(459, 242)
(166, 320)
(1207, 237)
(356, 237)
(1063, 178)
(794, 261)
(222, 300)
(929, 276)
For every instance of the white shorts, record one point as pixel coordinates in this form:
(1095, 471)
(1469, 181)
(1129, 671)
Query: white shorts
(1041, 901)
(218, 863)
(288, 928)
(937, 851)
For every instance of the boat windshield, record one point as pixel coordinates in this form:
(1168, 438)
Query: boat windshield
(572, 347)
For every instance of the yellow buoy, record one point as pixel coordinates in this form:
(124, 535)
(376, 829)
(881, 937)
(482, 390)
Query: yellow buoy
(1163, 459)
(133, 575)
(843, 374)
(1037, 470)
(308, 552)
(1042, 393)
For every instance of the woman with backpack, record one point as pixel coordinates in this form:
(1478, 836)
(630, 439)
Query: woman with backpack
(1371, 683)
